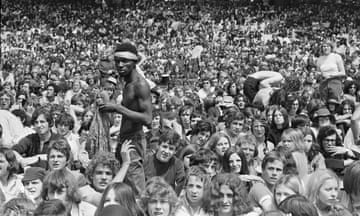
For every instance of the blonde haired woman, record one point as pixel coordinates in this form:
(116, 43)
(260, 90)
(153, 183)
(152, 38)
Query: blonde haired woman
(322, 189)
(292, 140)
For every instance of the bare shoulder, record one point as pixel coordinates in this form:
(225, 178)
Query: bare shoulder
(141, 86)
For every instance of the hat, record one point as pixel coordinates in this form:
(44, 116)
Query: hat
(114, 210)
(112, 80)
(333, 101)
(33, 173)
(228, 101)
(322, 112)
(127, 51)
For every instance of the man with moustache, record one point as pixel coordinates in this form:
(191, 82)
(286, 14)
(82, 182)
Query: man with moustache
(164, 163)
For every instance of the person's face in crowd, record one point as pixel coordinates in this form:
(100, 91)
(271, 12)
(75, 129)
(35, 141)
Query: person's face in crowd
(163, 105)
(109, 88)
(206, 84)
(347, 109)
(269, 116)
(258, 129)
(77, 76)
(76, 86)
(329, 191)
(329, 142)
(272, 172)
(36, 70)
(7, 88)
(27, 77)
(202, 137)
(154, 98)
(211, 167)
(179, 92)
(235, 163)
(240, 102)
(41, 125)
(249, 150)
(63, 129)
(185, 117)
(67, 73)
(102, 177)
(124, 66)
(5, 102)
(50, 91)
(88, 116)
(99, 99)
(194, 121)
(4, 166)
(226, 200)
(155, 123)
(233, 89)
(165, 152)
(158, 207)
(352, 89)
(308, 141)
(111, 198)
(117, 119)
(33, 188)
(294, 106)
(195, 190)
(326, 49)
(215, 82)
(282, 192)
(25, 87)
(324, 121)
(287, 143)
(60, 194)
(236, 126)
(278, 118)
(221, 146)
(332, 107)
(57, 160)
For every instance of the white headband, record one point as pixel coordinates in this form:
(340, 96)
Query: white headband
(126, 55)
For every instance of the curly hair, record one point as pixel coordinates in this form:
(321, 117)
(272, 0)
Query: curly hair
(200, 173)
(10, 157)
(157, 188)
(18, 206)
(105, 159)
(241, 204)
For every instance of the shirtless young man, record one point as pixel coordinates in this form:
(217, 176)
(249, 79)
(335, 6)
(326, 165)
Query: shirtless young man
(136, 110)
(258, 85)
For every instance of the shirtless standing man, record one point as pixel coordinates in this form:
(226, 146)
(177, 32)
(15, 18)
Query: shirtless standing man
(136, 110)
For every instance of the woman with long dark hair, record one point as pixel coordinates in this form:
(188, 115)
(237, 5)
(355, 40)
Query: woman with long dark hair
(122, 194)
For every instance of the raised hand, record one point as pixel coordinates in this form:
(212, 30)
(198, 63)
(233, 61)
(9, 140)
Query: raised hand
(126, 148)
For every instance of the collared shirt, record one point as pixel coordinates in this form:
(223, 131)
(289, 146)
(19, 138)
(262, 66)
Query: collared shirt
(12, 189)
(30, 145)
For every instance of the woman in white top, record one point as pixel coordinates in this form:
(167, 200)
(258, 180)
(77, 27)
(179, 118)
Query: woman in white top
(331, 67)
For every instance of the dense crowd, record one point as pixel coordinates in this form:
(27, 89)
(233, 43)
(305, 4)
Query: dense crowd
(254, 110)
